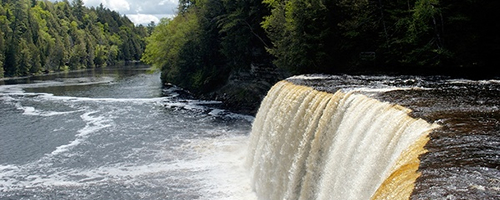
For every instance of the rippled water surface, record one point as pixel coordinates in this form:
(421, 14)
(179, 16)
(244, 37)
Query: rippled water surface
(113, 133)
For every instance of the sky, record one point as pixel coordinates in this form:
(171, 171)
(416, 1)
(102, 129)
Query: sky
(138, 11)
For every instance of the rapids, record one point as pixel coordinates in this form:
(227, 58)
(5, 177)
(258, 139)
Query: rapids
(115, 133)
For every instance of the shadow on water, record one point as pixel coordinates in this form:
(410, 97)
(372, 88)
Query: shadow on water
(117, 71)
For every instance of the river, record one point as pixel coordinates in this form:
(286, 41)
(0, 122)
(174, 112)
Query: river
(113, 133)
(462, 156)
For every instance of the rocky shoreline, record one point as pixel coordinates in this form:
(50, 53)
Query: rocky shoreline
(245, 89)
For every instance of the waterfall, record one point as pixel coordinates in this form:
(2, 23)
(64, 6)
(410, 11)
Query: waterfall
(308, 144)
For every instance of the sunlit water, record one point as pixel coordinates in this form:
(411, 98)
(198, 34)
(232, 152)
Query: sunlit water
(114, 134)
(463, 158)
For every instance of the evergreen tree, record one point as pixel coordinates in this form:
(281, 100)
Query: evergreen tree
(206, 41)
(41, 36)
(243, 39)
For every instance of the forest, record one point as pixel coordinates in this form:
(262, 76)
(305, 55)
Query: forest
(39, 36)
(210, 39)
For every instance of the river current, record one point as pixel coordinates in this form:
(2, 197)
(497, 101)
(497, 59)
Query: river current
(113, 133)
(462, 159)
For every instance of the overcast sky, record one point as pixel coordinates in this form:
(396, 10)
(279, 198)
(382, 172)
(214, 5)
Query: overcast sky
(139, 11)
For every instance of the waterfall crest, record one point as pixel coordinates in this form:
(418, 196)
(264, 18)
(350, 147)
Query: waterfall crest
(308, 144)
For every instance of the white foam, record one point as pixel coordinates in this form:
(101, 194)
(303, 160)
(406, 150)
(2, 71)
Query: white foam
(225, 175)
(381, 90)
(11, 89)
(218, 163)
(93, 125)
(5, 172)
(216, 171)
(133, 100)
(309, 77)
(467, 81)
(216, 112)
(29, 110)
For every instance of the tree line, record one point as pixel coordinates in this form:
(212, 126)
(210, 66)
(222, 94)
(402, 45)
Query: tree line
(41, 36)
(208, 39)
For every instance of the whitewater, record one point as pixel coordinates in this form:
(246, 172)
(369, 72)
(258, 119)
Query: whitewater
(115, 134)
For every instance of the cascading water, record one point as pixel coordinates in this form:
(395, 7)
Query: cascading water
(307, 144)
(112, 133)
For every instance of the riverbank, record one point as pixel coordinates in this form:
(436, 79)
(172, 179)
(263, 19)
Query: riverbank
(13, 80)
(245, 89)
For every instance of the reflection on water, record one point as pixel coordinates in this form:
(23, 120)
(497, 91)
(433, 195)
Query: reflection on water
(112, 133)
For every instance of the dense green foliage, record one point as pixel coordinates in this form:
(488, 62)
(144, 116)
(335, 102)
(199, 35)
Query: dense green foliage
(207, 40)
(210, 38)
(403, 36)
(41, 36)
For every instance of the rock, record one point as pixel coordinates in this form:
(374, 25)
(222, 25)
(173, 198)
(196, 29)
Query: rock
(245, 89)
